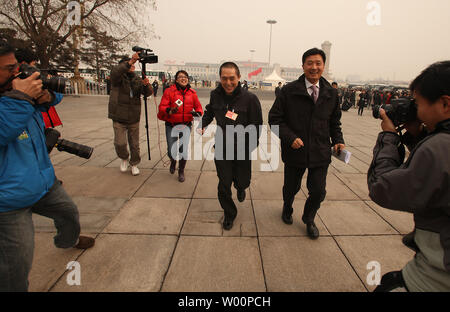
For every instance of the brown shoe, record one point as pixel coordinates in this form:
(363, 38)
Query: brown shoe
(85, 242)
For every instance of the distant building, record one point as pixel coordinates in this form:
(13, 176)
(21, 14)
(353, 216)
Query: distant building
(210, 71)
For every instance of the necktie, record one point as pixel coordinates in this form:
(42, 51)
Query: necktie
(315, 93)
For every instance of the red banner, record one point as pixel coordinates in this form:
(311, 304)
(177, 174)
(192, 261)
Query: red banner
(255, 73)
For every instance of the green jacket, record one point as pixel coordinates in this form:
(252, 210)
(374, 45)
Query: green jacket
(125, 98)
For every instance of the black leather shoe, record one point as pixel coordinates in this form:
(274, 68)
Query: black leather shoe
(227, 224)
(312, 230)
(241, 195)
(286, 219)
(173, 164)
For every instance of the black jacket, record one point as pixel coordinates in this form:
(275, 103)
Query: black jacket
(248, 108)
(125, 98)
(297, 116)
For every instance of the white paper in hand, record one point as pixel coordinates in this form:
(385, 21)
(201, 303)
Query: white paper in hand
(344, 156)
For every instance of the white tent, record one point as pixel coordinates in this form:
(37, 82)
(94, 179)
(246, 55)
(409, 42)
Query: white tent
(274, 79)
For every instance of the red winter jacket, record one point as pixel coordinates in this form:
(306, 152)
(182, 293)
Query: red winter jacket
(189, 99)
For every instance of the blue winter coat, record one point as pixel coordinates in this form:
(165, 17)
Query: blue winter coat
(26, 172)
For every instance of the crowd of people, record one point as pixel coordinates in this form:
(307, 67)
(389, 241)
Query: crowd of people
(30, 186)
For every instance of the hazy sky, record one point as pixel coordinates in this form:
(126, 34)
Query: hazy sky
(412, 33)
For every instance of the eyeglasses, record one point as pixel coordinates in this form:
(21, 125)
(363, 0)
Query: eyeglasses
(182, 77)
(11, 68)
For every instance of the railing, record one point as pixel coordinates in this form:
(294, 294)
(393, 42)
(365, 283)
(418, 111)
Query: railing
(85, 88)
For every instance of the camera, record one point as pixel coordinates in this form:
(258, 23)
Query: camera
(52, 140)
(399, 111)
(146, 56)
(55, 84)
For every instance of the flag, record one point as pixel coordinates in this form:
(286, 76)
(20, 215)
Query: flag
(255, 73)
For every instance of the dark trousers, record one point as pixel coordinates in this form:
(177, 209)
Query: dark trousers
(316, 182)
(237, 172)
(17, 235)
(360, 110)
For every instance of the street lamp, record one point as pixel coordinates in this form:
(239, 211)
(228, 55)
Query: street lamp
(251, 60)
(271, 22)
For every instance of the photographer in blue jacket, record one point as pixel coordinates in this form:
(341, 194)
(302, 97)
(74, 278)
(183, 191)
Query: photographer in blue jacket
(27, 178)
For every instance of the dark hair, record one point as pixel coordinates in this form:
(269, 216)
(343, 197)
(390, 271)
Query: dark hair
(314, 51)
(124, 59)
(230, 65)
(5, 48)
(25, 55)
(181, 72)
(433, 82)
(334, 83)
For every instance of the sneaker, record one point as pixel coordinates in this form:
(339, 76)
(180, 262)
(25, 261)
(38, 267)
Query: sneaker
(84, 242)
(123, 165)
(134, 170)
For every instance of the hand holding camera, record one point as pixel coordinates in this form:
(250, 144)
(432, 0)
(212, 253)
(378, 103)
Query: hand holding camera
(134, 58)
(31, 86)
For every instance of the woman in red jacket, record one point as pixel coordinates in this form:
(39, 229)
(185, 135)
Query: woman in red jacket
(178, 106)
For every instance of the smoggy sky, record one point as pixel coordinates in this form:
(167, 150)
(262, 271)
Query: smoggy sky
(412, 33)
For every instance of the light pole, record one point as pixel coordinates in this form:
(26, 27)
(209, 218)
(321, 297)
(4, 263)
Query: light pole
(251, 60)
(271, 22)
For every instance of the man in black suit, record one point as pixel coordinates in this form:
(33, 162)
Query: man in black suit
(278, 89)
(308, 115)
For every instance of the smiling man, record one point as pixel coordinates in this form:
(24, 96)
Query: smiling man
(308, 114)
(238, 114)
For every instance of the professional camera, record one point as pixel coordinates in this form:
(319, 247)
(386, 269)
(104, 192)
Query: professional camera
(52, 139)
(56, 84)
(399, 111)
(146, 56)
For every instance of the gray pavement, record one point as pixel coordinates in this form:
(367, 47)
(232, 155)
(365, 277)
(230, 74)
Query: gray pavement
(156, 234)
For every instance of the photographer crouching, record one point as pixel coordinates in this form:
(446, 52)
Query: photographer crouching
(421, 184)
(27, 178)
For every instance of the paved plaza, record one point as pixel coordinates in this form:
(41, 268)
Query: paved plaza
(156, 234)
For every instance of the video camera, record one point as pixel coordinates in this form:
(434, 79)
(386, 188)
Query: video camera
(56, 84)
(52, 140)
(399, 111)
(146, 56)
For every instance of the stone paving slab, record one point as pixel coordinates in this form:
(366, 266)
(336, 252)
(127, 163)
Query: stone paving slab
(208, 264)
(388, 251)
(49, 262)
(269, 222)
(352, 218)
(150, 216)
(268, 185)
(164, 184)
(100, 182)
(207, 186)
(205, 217)
(357, 183)
(336, 189)
(90, 223)
(301, 264)
(403, 222)
(134, 263)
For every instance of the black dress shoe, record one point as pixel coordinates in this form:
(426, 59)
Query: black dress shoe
(241, 195)
(312, 230)
(286, 219)
(227, 224)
